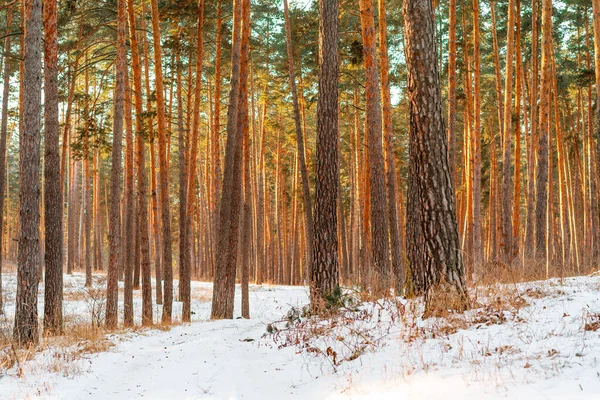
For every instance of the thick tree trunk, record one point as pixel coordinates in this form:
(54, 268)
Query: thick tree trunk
(544, 133)
(433, 247)
(230, 207)
(325, 270)
(114, 235)
(26, 313)
(53, 207)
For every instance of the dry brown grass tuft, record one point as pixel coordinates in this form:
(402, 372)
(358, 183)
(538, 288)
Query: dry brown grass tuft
(591, 321)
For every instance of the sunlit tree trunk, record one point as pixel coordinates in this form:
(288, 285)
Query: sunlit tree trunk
(129, 231)
(114, 236)
(452, 89)
(433, 249)
(28, 262)
(325, 270)
(244, 126)
(507, 188)
(185, 274)
(167, 256)
(230, 207)
(544, 134)
(477, 236)
(299, 132)
(532, 165)
(390, 159)
(53, 205)
(379, 222)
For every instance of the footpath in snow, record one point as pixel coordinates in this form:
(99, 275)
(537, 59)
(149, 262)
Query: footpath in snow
(533, 340)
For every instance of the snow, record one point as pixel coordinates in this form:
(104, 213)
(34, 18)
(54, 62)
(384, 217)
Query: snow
(521, 341)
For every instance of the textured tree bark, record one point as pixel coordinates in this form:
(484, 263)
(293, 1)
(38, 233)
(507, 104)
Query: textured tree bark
(141, 172)
(244, 131)
(544, 133)
(495, 234)
(167, 256)
(379, 211)
(531, 205)
(183, 178)
(129, 231)
(227, 246)
(114, 235)
(477, 236)
(53, 207)
(516, 209)
(390, 160)
(432, 241)
(325, 270)
(507, 244)
(26, 313)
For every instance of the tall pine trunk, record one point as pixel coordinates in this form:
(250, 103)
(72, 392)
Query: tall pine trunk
(299, 132)
(390, 159)
(165, 214)
(379, 222)
(53, 207)
(28, 262)
(229, 210)
(433, 248)
(542, 215)
(325, 270)
(114, 235)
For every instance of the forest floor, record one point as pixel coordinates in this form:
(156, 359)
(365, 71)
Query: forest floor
(536, 340)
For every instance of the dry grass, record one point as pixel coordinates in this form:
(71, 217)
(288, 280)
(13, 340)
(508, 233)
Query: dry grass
(591, 321)
(201, 295)
(526, 269)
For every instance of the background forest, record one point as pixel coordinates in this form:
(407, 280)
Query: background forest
(517, 81)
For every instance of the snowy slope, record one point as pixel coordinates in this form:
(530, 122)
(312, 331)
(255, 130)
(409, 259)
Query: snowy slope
(526, 341)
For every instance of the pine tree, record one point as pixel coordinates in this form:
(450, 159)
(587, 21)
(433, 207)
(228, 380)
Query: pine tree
(324, 274)
(53, 205)
(433, 249)
(28, 262)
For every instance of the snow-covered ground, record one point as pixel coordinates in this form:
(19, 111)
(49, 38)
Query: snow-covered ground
(525, 341)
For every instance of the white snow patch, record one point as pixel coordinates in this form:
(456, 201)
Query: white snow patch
(538, 350)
